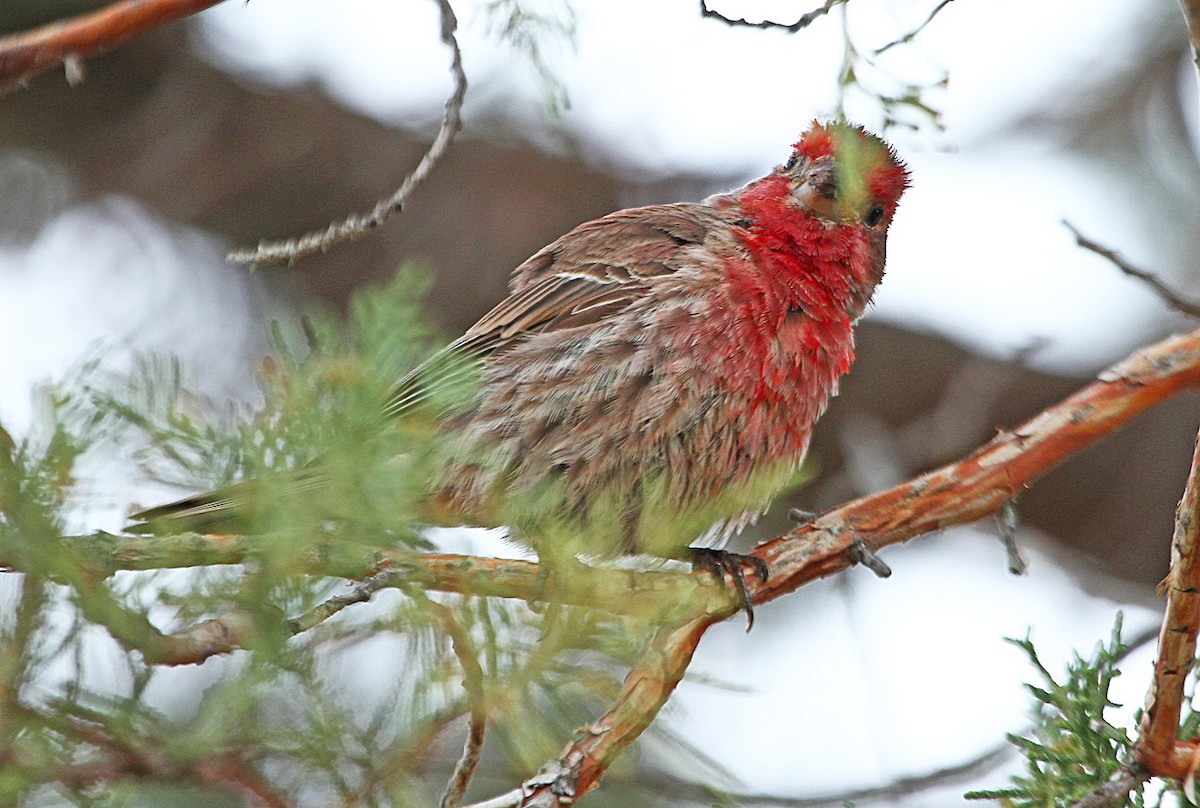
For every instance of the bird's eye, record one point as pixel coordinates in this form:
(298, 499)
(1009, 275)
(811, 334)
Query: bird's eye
(791, 162)
(874, 216)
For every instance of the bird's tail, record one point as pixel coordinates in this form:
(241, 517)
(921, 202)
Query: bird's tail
(225, 510)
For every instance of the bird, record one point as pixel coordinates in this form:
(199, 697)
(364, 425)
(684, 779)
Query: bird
(653, 377)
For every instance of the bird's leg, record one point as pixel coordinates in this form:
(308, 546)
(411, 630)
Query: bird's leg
(722, 563)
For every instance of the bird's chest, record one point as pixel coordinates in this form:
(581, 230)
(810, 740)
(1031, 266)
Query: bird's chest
(782, 364)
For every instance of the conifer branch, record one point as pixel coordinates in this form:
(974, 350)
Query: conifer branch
(959, 493)
(26, 54)
(1157, 747)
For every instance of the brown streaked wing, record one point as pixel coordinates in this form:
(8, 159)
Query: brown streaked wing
(588, 275)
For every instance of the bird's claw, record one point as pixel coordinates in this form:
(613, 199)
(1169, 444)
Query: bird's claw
(723, 564)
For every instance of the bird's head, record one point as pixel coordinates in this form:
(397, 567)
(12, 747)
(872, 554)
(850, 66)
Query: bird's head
(844, 174)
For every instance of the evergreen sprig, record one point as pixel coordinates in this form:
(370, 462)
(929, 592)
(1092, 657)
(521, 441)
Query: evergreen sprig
(1072, 748)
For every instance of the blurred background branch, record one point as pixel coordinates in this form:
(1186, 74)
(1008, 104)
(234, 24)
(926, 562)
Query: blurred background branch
(69, 41)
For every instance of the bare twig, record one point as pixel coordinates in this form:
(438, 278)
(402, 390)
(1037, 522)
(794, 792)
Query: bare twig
(290, 250)
(1168, 295)
(1157, 748)
(911, 35)
(1006, 523)
(360, 593)
(804, 21)
(464, 649)
(66, 42)
(1116, 791)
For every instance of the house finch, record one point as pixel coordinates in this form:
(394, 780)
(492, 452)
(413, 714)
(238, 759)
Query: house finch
(653, 376)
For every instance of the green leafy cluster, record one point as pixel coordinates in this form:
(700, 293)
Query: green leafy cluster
(1072, 748)
(89, 717)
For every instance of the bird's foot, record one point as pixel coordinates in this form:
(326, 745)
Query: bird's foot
(722, 563)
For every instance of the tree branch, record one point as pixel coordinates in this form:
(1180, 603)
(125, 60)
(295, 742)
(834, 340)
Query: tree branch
(290, 250)
(1168, 295)
(911, 35)
(1116, 791)
(652, 594)
(960, 493)
(1157, 747)
(472, 670)
(687, 605)
(24, 55)
(804, 21)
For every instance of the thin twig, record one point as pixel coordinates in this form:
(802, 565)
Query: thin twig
(231, 772)
(1170, 296)
(913, 33)
(1116, 791)
(360, 593)
(472, 670)
(114, 756)
(354, 226)
(1006, 523)
(1156, 747)
(804, 21)
(24, 55)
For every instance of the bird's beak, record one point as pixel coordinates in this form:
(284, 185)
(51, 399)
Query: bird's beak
(817, 190)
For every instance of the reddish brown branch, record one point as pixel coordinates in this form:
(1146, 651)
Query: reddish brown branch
(24, 55)
(981, 483)
(1157, 748)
